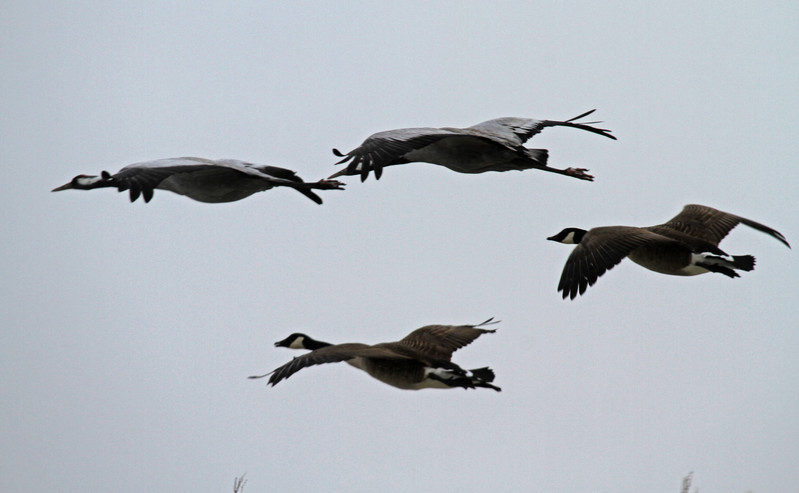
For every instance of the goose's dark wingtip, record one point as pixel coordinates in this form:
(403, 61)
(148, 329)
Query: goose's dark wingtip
(568, 294)
(490, 321)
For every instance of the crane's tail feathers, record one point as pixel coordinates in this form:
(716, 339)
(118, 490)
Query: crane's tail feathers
(308, 193)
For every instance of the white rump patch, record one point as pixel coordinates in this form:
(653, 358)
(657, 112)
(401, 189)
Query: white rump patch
(430, 383)
(706, 258)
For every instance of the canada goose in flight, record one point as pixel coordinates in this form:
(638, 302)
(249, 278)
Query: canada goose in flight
(494, 145)
(687, 245)
(204, 180)
(420, 360)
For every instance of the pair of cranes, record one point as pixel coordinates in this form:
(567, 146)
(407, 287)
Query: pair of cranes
(686, 245)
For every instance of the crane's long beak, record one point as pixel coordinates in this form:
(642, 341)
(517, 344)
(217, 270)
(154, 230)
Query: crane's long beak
(343, 172)
(62, 187)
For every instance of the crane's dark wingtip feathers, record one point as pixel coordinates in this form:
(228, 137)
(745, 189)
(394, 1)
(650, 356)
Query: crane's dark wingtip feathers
(581, 116)
(587, 125)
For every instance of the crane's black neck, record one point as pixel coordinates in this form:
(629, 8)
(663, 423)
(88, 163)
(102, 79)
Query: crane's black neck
(87, 182)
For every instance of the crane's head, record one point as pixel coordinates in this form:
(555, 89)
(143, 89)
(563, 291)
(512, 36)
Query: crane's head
(87, 182)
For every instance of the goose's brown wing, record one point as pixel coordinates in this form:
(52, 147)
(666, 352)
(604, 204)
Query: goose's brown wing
(710, 225)
(331, 354)
(599, 251)
(438, 342)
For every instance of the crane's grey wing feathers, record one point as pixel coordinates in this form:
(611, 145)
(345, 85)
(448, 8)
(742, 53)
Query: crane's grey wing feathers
(277, 172)
(516, 131)
(389, 147)
(143, 178)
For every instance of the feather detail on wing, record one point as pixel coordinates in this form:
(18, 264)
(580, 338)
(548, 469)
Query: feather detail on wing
(387, 148)
(331, 354)
(517, 131)
(711, 225)
(599, 251)
(440, 341)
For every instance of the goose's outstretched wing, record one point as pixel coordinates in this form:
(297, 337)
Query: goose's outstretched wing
(599, 251)
(710, 225)
(440, 341)
(330, 354)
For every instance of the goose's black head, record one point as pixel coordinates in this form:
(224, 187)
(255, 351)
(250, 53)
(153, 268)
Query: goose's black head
(569, 236)
(299, 340)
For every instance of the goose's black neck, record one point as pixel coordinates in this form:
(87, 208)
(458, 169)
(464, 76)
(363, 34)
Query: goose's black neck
(313, 344)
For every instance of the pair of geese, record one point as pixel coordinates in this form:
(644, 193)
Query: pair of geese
(686, 245)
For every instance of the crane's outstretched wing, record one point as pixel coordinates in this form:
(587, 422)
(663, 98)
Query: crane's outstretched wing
(387, 148)
(517, 131)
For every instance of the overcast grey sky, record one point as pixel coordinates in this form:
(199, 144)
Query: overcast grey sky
(129, 329)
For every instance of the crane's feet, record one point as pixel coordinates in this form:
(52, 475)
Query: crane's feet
(579, 173)
(329, 184)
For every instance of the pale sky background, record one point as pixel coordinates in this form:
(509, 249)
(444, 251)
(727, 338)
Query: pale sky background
(129, 329)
